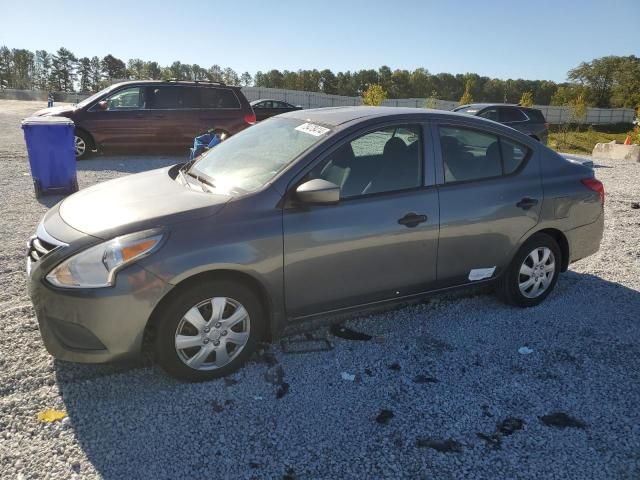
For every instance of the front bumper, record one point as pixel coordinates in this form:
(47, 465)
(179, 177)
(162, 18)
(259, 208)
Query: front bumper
(96, 325)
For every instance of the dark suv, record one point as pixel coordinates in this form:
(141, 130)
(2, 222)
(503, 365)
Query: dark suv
(155, 114)
(529, 121)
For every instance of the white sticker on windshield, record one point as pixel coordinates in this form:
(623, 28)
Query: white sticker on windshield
(481, 273)
(312, 129)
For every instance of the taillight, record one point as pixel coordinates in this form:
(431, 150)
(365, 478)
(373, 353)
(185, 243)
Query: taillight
(250, 118)
(595, 185)
(546, 125)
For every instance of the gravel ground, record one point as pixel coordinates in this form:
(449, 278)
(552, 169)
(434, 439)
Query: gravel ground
(441, 391)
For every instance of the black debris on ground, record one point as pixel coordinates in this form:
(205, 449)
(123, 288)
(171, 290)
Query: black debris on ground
(384, 416)
(494, 440)
(425, 379)
(217, 407)
(229, 382)
(341, 331)
(509, 425)
(635, 205)
(395, 366)
(444, 446)
(562, 420)
(282, 390)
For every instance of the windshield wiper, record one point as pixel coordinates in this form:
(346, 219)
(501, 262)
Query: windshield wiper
(201, 179)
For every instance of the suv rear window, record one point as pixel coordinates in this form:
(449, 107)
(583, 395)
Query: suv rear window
(535, 115)
(511, 115)
(218, 98)
(186, 97)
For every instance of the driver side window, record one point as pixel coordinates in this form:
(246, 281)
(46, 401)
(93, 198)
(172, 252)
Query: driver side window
(384, 160)
(127, 99)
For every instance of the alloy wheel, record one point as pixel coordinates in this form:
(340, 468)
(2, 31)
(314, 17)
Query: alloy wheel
(80, 146)
(212, 333)
(536, 272)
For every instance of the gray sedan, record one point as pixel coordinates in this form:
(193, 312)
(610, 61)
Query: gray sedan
(301, 217)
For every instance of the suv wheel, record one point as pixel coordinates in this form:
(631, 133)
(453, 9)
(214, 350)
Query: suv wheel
(533, 272)
(82, 145)
(209, 330)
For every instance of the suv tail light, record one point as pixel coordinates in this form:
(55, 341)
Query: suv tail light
(595, 185)
(250, 118)
(546, 125)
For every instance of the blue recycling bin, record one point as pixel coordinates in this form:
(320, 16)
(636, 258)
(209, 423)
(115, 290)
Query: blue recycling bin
(50, 144)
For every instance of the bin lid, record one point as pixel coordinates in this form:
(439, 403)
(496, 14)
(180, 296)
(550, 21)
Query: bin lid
(47, 121)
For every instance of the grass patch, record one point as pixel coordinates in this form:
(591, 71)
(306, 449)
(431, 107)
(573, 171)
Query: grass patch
(583, 140)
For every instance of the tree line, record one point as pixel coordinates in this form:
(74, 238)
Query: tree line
(611, 81)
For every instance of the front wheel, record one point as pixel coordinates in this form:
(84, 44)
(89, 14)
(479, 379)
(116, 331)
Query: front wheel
(533, 272)
(82, 145)
(209, 330)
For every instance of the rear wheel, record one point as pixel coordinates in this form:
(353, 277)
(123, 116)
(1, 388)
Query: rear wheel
(533, 272)
(82, 144)
(209, 330)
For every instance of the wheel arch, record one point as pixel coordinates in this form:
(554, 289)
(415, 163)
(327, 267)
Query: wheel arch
(221, 274)
(89, 136)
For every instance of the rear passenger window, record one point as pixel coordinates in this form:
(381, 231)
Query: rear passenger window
(163, 98)
(219, 98)
(469, 154)
(472, 155)
(513, 155)
(511, 115)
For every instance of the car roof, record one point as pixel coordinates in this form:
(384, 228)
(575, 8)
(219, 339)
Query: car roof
(334, 116)
(267, 100)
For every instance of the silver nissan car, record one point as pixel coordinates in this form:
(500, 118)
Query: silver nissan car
(299, 218)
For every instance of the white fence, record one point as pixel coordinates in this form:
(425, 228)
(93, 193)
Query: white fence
(554, 115)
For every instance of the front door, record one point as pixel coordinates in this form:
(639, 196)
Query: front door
(490, 197)
(379, 242)
(124, 122)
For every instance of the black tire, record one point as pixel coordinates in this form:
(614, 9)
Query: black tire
(507, 287)
(182, 301)
(88, 142)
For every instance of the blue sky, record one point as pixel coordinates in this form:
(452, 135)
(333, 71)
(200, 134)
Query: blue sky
(535, 39)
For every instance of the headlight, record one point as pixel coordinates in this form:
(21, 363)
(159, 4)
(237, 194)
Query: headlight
(96, 267)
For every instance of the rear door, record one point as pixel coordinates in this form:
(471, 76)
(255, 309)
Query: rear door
(380, 241)
(125, 121)
(490, 197)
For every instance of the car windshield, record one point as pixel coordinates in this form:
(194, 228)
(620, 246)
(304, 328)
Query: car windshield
(250, 159)
(94, 97)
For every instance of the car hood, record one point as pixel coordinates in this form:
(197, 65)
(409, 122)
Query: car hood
(63, 111)
(136, 202)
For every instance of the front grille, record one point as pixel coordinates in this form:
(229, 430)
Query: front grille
(38, 248)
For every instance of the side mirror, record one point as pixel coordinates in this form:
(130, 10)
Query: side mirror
(318, 192)
(103, 105)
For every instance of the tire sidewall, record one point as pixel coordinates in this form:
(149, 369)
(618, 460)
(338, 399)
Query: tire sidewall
(186, 298)
(536, 241)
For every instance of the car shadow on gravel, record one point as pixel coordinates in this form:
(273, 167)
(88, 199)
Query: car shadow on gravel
(133, 421)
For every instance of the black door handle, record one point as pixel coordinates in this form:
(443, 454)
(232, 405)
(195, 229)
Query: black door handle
(526, 203)
(412, 220)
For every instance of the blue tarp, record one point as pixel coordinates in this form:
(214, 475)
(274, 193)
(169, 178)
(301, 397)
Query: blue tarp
(202, 143)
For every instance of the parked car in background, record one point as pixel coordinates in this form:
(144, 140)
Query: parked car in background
(527, 120)
(265, 108)
(155, 114)
(297, 219)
